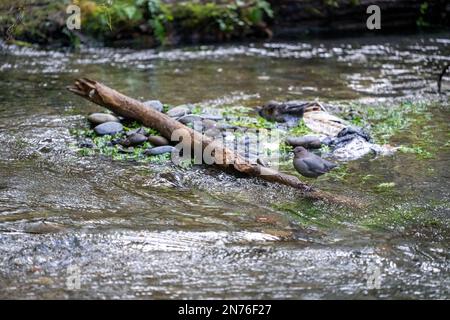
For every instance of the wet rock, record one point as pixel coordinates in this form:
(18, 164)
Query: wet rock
(211, 117)
(226, 126)
(99, 118)
(87, 143)
(354, 131)
(133, 140)
(154, 104)
(43, 227)
(159, 150)
(356, 147)
(209, 124)
(178, 111)
(113, 142)
(213, 132)
(190, 118)
(308, 142)
(158, 141)
(140, 130)
(122, 149)
(108, 128)
(46, 149)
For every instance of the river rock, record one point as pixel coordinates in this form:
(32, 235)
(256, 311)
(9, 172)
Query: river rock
(190, 118)
(209, 124)
(108, 128)
(154, 104)
(159, 150)
(178, 111)
(138, 130)
(122, 149)
(43, 226)
(99, 118)
(134, 140)
(213, 132)
(158, 141)
(87, 143)
(308, 142)
(226, 126)
(215, 117)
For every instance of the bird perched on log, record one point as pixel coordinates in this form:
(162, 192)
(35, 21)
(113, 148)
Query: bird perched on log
(310, 165)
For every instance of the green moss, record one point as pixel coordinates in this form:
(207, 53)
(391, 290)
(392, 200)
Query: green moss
(385, 186)
(103, 145)
(309, 214)
(196, 110)
(28, 21)
(401, 216)
(419, 151)
(385, 123)
(255, 123)
(300, 130)
(339, 173)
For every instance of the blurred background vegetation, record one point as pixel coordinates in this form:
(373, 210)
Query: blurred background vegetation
(169, 22)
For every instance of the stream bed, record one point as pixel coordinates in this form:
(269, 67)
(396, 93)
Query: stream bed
(137, 230)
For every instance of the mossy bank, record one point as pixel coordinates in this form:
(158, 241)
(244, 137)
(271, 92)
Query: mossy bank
(151, 23)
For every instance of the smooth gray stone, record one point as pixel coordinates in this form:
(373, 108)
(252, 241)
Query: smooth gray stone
(209, 124)
(154, 104)
(108, 128)
(134, 140)
(190, 118)
(87, 143)
(122, 149)
(159, 150)
(178, 111)
(138, 130)
(309, 142)
(211, 117)
(158, 141)
(226, 126)
(197, 117)
(99, 118)
(42, 227)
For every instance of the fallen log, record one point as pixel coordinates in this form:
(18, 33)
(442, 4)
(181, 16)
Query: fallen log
(224, 158)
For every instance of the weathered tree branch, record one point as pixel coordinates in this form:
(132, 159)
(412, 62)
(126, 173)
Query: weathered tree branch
(224, 158)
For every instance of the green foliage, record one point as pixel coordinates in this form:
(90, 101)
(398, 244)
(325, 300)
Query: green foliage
(207, 18)
(285, 148)
(421, 22)
(101, 18)
(339, 173)
(300, 130)
(196, 110)
(255, 123)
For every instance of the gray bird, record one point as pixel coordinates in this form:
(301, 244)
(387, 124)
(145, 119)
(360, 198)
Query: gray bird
(310, 165)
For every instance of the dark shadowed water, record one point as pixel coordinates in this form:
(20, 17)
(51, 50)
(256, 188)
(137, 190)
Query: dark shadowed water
(159, 231)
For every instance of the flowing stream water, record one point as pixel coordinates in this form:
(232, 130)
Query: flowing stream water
(135, 230)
